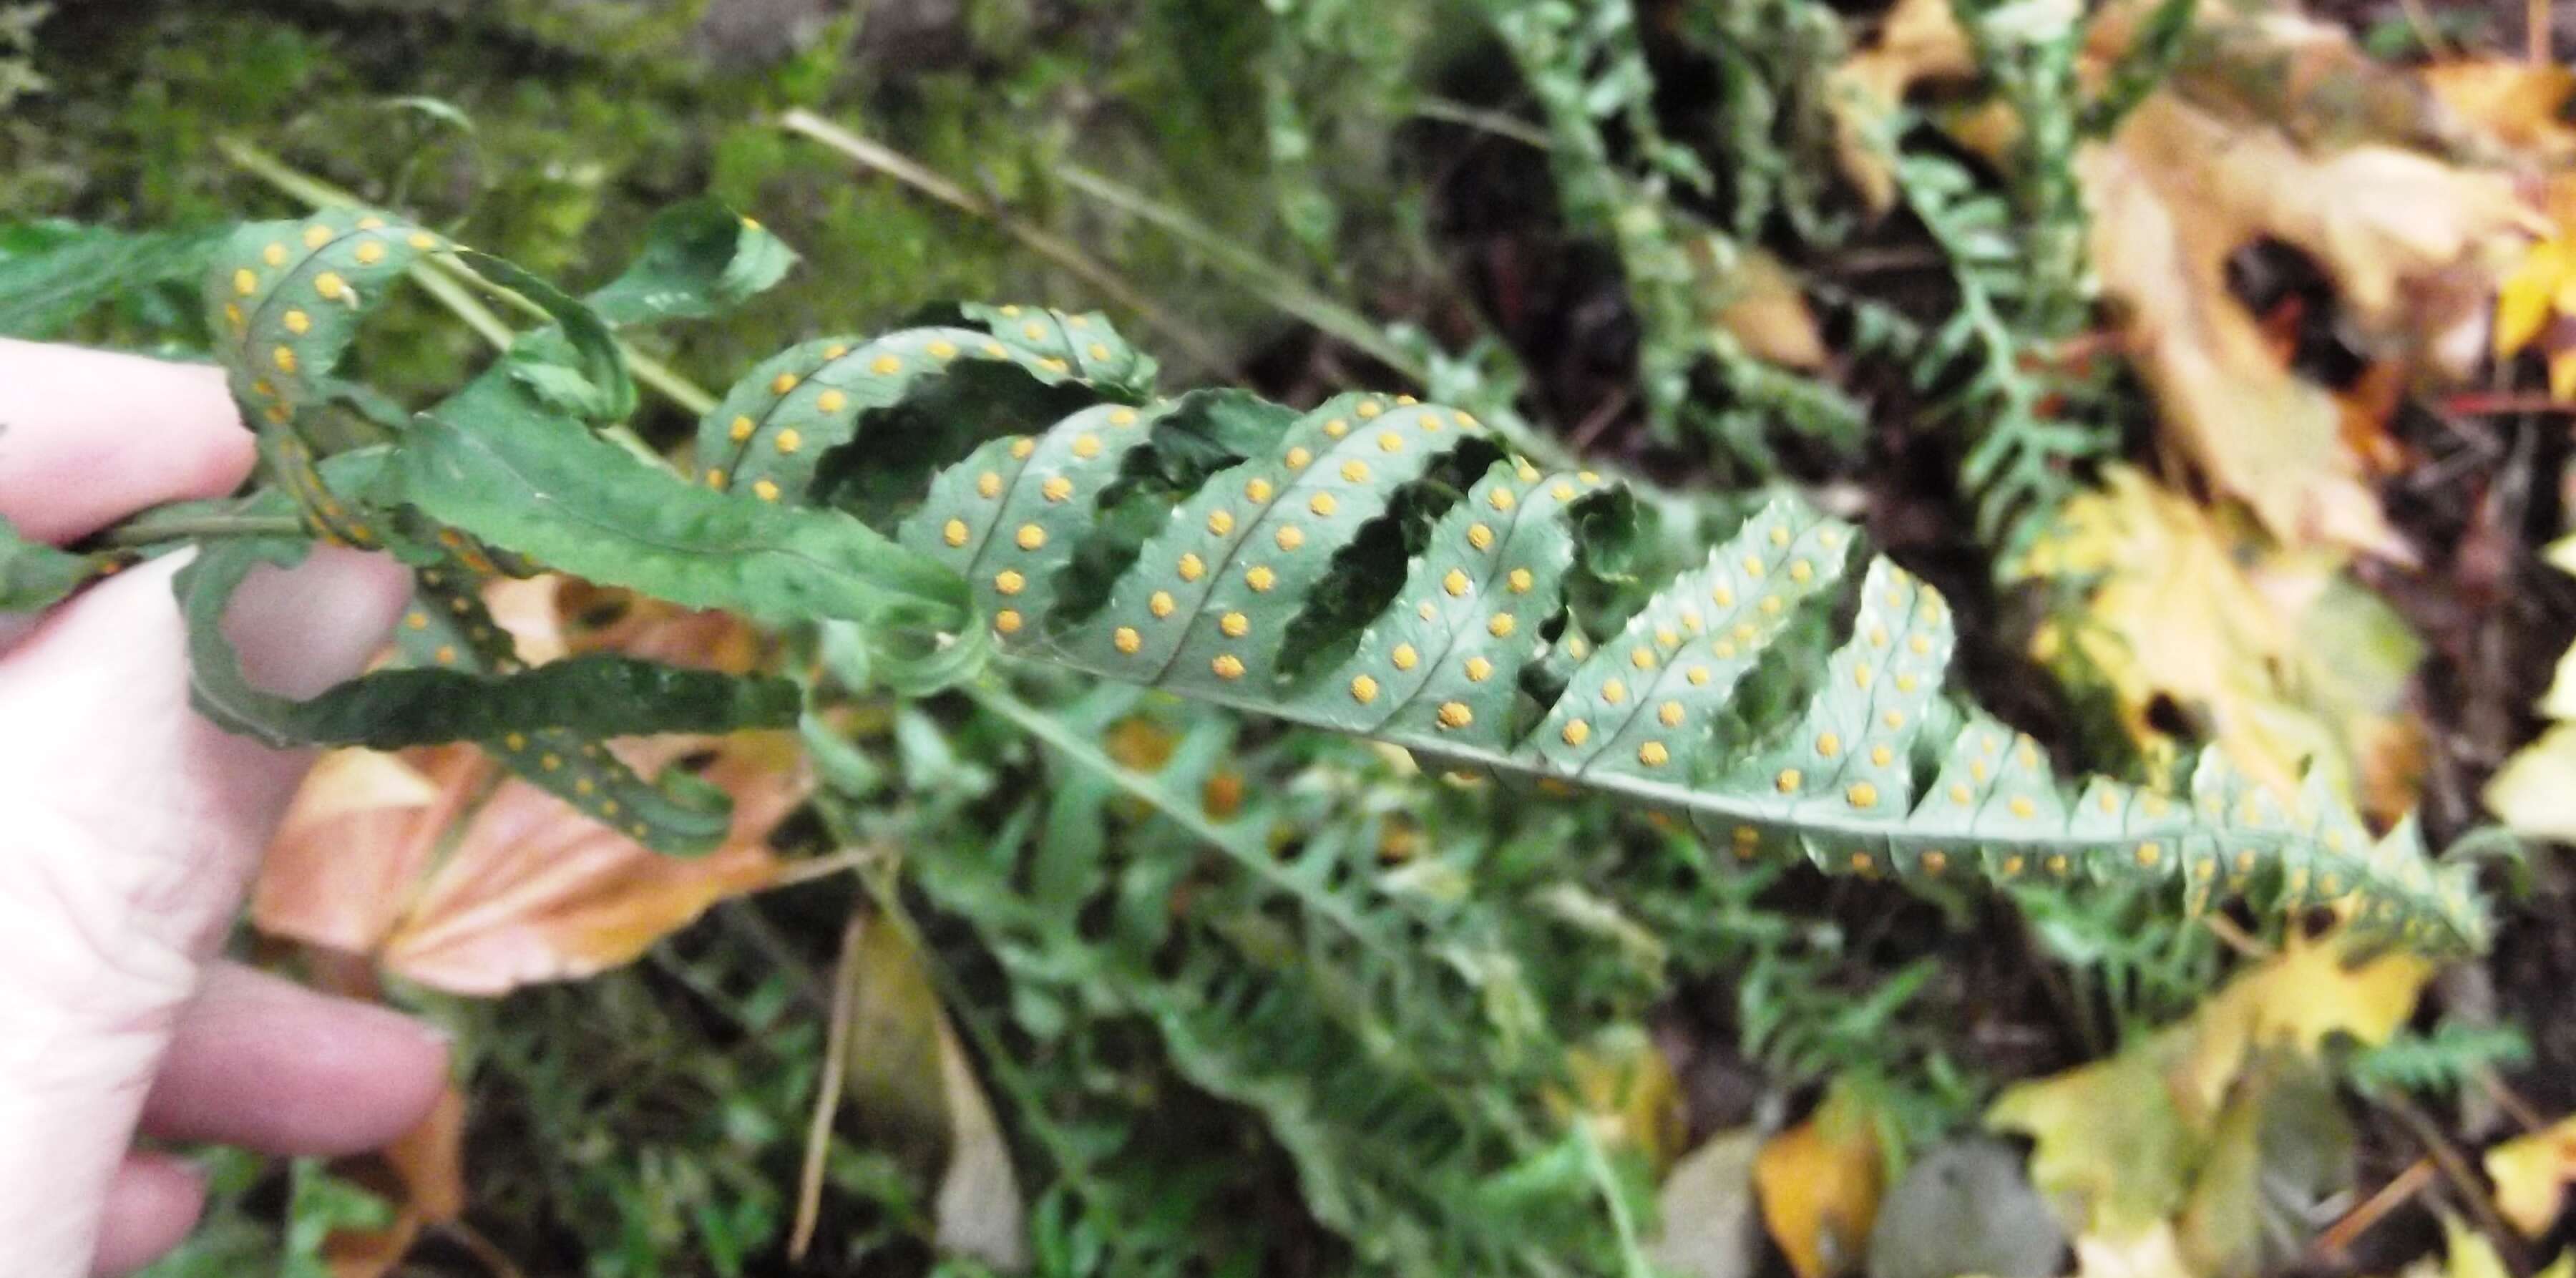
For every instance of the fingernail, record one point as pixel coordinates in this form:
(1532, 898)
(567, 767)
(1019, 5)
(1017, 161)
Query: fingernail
(302, 630)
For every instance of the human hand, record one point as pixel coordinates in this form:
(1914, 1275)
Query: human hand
(130, 827)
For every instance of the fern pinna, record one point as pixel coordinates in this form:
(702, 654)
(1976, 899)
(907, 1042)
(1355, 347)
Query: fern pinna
(1373, 566)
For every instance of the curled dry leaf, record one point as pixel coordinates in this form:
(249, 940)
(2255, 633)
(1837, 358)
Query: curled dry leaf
(2535, 791)
(451, 873)
(423, 1174)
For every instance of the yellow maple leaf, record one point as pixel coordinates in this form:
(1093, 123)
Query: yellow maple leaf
(2283, 661)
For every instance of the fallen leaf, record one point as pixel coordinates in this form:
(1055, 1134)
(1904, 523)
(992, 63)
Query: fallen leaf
(1966, 1207)
(1818, 1184)
(2272, 129)
(1751, 296)
(2152, 1253)
(422, 1173)
(2520, 105)
(2126, 1144)
(2275, 653)
(2471, 1254)
(2535, 791)
(2281, 1147)
(2531, 1175)
(1706, 1209)
(1626, 1089)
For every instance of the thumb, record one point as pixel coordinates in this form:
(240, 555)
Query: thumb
(132, 829)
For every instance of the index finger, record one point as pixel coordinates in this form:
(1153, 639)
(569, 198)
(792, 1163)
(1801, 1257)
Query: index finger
(88, 437)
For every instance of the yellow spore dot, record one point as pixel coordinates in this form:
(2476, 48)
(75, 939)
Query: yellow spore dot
(1406, 400)
(1033, 330)
(1933, 861)
(1289, 537)
(1670, 714)
(1008, 621)
(297, 322)
(2150, 854)
(446, 654)
(1653, 754)
(245, 281)
(317, 235)
(716, 480)
(1881, 755)
(1455, 715)
(1788, 781)
(1527, 472)
(1770, 605)
(1122, 417)
(1363, 689)
(1480, 536)
(1371, 408)
(233, 316)
(1665, 637)
(1520, 580)
(988, 484)
(1919, 644)
(1404, 657)
(1086, 446)
(782, 383)
(1220, 522)
(1323, 504)
(1801, 571)
(1260, 578)
(886, 366)
(370, 252)
(1227, 666)
(1298, 457)
(1721, 596)
(1456, 583)
(1575, 733)
(995, 350)
(789, 440)
(831, 401)
(741, 429)
(1257, 490)
(1336, 428)
(1561, 490)
(1126, 640)
(1641, 658)
(1753, 566)
(1860, 676)
(1501, 626)
(1009, 581)
(1097, 351)
(274, 255)
(551, 762)
(330, 286)
(1355, 471)
(1056, 488)
(766, 490)
(1389, 442)
(1479, 669)
(1862, 794)
(2022, 807)
(417, 621)
(423, 241)
(1235, 625)
(1613, 691)
(1500, 498)
(1893, 718)
(1023, 446)
(1779, 536)
(1030, 537)
(953, 532)
(608, 807)
(1829, 745)
(1698, 676)
(942, 350)
(284, 356)
(1191, 567)
(371, 223)
(1160, 604)
(1427, 610)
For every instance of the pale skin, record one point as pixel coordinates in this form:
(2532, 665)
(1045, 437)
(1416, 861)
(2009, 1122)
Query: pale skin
(130, 829)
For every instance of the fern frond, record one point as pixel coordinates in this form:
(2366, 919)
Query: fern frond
(1716, 701)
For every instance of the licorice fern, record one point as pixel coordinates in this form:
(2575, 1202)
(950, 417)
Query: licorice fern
(1373, 566)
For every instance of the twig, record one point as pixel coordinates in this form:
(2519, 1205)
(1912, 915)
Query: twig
(2498, 403)
(2335, 1238)
(486, 1253)
(797, 873)
(1482, 120)
(2464, 1180)
(1062, 252)
(827, 1097)
(2537, 34)
(2234, 937)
